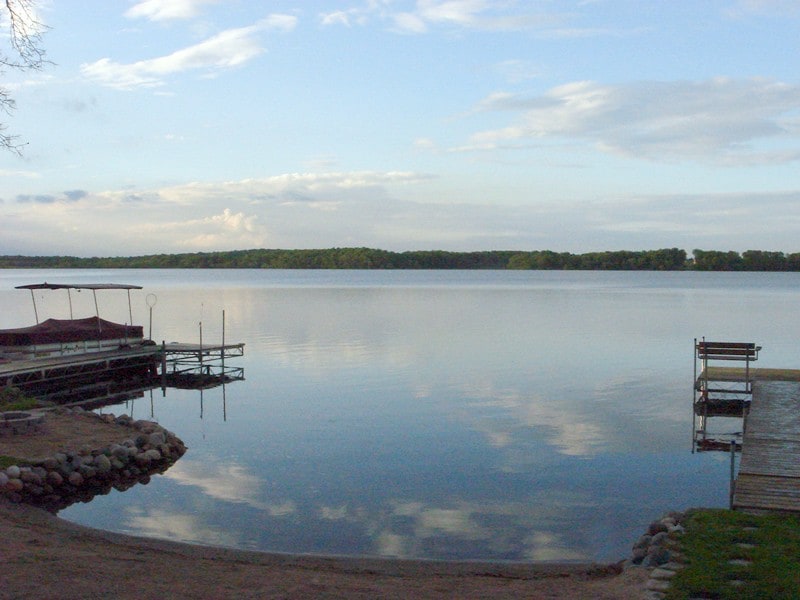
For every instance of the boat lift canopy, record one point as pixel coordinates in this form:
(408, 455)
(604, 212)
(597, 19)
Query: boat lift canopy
(80, 286)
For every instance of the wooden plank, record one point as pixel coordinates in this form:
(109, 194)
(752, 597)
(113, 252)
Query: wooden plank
(769, 470)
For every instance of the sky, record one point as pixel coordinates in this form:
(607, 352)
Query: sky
(172, 126)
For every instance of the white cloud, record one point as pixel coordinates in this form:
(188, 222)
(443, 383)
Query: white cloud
(381, 210)
(719, 121)
(225, 50)
(482, 15)
(165, 10)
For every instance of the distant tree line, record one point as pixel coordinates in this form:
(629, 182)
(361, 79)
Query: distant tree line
(667, 259)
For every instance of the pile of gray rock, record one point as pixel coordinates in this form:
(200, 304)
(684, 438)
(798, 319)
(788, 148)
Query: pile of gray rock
(658, 550)
(57, 481)
(655, 547)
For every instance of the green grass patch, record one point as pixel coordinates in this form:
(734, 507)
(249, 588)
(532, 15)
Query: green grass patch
(12, 399)
(717, 542)
(7, 461)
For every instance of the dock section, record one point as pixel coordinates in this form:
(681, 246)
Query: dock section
(181, 365)
(769, 469)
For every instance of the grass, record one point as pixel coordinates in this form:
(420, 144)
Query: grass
(7, 461)
(737, 556)
(12, 399)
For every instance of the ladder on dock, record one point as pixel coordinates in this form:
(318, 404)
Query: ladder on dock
(720, 391)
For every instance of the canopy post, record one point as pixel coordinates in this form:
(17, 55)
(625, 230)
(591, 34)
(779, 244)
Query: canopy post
(69, 297)
(130, 310)
(97, 311)
(35, 312)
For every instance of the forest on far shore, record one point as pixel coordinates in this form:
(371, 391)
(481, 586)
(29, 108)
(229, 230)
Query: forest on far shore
(667, 259)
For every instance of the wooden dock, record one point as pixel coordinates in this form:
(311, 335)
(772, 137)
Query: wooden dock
(69, 369)
(769, 469)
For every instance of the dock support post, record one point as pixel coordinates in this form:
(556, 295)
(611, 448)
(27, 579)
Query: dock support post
(694, 397)
(732, 487)
(163, 365)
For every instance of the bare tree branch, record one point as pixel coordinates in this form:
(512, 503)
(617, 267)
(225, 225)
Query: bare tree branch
(25, 39)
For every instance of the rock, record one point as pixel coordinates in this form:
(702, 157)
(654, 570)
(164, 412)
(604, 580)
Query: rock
(643, 541)
(118, 451)
(102, 463)
(656, 555)
(15, 485)
(147, 457)
(638, 555)
(55, 478)
(156, 438)
(657, 585)
(76, 479)
(659, 539)
(3, 479)
(679, 529)
(141, 460)
(28, 476)
(87, 471)
(656, 527)
(12, 471)
(50, 463)
(662, 573)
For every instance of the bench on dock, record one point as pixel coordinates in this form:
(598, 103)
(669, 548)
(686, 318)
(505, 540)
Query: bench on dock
(746, 351)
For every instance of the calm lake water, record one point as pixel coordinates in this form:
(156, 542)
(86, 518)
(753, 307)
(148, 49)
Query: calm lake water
(431, 414)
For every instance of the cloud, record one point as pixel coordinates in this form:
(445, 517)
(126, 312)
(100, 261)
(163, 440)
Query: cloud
(720, 121)
(166, 10)
(387, 210)
(73, 195)
(227, 49)
(481, 15)
(36, 198)
(24, 174)
(227, 230)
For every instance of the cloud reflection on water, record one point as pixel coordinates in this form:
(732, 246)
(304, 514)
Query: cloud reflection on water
(449, 528)
(230, 483)
(179, 526)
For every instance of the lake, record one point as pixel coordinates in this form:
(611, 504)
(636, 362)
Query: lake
(476, 415)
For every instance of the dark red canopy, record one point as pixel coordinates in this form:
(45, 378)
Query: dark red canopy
(68, 330)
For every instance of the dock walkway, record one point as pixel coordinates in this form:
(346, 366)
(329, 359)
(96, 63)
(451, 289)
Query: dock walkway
(177, 357)
(769, 470)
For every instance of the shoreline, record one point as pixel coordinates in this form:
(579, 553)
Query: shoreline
(45, 556)
(42, 552)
